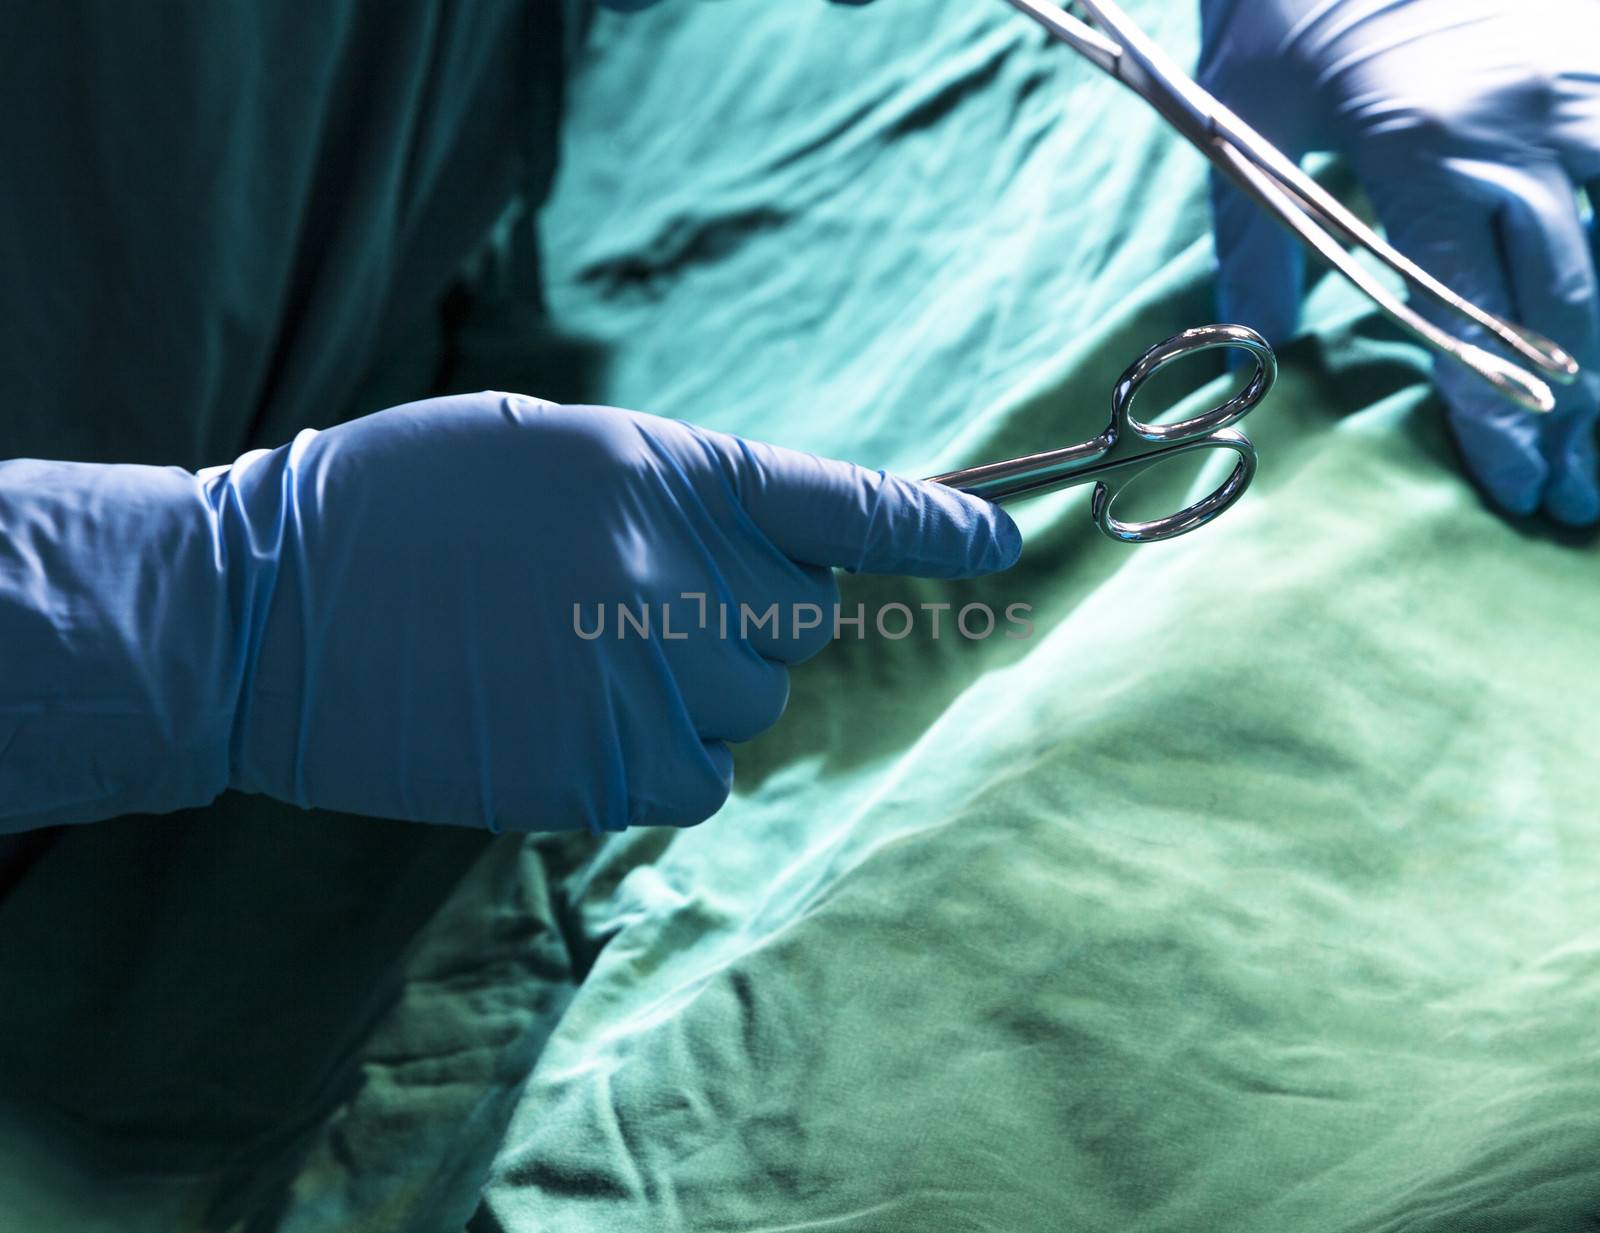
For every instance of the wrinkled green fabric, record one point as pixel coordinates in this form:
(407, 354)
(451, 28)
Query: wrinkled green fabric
(1255, 891)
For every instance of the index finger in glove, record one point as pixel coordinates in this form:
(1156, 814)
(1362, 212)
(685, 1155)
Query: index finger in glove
(820, 511)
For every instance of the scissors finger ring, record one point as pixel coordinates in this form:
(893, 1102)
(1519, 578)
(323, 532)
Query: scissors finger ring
(1129, 446)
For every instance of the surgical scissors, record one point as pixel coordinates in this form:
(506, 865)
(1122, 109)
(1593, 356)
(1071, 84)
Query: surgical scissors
(1117, 47)
(1128, 446)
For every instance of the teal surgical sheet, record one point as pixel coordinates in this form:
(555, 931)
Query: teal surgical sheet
(1257, 890)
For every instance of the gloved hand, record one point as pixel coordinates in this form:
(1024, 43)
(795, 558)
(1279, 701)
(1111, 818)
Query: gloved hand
(394, 617)
(1468, 123)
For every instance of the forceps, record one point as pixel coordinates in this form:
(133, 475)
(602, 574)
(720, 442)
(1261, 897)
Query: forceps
(1117, 47)
(1128, 446)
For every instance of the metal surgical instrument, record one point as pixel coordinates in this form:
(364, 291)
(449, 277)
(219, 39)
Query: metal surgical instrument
(1110, 41)
(1128, 446)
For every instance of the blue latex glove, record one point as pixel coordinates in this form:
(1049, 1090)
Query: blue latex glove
(1468, 123)
(379, 618)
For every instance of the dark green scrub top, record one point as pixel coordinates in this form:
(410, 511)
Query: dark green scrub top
(217, 218)
(217, 214)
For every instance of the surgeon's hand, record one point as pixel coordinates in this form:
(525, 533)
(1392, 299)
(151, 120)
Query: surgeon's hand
(1469, 123)
(437, 613)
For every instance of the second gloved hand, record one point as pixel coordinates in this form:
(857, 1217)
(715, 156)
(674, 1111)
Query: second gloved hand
(1469, 124)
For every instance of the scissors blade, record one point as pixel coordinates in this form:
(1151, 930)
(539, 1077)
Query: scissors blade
(1315, 216)
(1301, 216)
(1308, 209)
(1035, 474)
(1078, 35)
